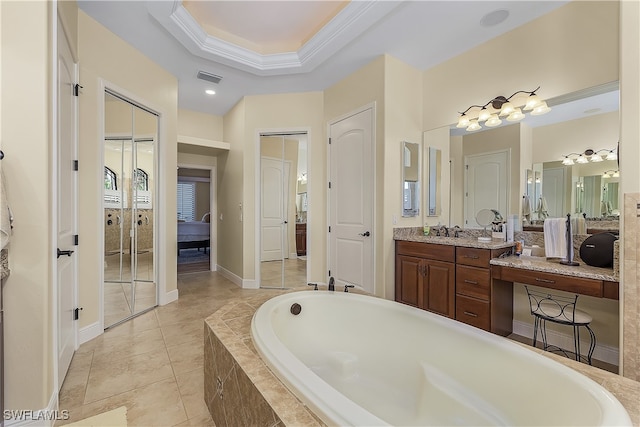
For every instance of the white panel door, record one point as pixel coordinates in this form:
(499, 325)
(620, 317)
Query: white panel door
(351, 201)
(274, 181)
(486, 185)
(66, 208)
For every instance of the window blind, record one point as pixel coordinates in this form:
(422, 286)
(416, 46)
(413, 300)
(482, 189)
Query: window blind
(186, 201)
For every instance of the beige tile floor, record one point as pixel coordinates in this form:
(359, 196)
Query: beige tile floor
(295, 273)
(152, 364)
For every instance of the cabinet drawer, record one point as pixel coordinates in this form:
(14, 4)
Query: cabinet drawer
(473, 256)
(473, 312)
(473, 281)
(572, 284)
(426, 250)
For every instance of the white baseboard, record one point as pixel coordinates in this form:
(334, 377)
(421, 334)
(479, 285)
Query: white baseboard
(250, 284)
(37, 417)
(229, 275)
(168, 297)
(89, 332)
(602, 352)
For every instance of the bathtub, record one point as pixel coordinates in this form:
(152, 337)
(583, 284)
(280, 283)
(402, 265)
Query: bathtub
(365, 361)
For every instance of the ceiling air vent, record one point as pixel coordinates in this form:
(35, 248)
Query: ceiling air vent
(203, 75)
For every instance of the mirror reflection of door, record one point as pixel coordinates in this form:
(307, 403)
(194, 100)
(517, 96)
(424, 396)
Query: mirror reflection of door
(486, 185)
(283, 207)
(128, 198)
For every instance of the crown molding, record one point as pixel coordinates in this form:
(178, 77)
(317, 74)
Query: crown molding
(352, 21)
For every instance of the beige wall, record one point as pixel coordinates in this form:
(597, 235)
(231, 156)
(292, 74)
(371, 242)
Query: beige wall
(26, 138)
(101, 56)
(231, 177)
(402, 122)
(571, 48)
(200, 125)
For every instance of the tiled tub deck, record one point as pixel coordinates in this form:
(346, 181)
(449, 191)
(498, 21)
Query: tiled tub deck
(241, 390)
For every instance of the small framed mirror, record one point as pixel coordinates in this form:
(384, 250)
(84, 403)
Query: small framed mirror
(435, 170)
(410, 179)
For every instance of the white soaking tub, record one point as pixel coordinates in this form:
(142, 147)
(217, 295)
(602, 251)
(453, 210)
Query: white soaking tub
(365, 361)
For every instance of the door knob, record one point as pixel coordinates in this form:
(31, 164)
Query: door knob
(60, 253)
(365, 234)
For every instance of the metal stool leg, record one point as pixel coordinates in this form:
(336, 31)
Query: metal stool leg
(576, 341)
(543, 333)
(536, 322)
(592, 345)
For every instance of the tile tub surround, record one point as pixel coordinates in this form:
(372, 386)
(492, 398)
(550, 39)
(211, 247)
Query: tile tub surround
(231, 326)
(239, 388)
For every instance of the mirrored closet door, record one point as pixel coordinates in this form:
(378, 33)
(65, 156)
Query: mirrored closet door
(128, 199)
(283, 210)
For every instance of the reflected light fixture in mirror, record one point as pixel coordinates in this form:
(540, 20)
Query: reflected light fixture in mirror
(502, 106)
(590, 155)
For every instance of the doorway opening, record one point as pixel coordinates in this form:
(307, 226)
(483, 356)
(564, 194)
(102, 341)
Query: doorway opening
(194, 220)
(282, 209)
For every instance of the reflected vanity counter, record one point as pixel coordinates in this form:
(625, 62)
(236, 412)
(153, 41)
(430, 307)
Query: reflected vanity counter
(468, 238)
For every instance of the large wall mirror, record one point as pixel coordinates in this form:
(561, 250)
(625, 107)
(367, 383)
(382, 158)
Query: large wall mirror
(410, 179)
(283, 209)
(129, 200)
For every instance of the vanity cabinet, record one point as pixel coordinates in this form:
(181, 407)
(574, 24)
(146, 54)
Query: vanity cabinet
(480, 301)
(454, 281)
(425, 276)
(301, 238)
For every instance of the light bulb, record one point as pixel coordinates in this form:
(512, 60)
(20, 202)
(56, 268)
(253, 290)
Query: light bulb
(596, 157)
(493, 121)
(463, 121)
(507, 108)
(517, 115)
(582, 159)
(616, 174)
(612, 155)
(473, 125)
(484, 115)
(568, 161)
(540, 109)
(532, 102)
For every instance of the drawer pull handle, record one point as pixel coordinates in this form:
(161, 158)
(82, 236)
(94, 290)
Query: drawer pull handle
(545, 280)
(468, 313)
(471, 282)
(472, 256)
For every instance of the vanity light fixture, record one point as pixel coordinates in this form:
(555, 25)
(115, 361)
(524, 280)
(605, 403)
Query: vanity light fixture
(501, 106)
(590, 155)
(611, 174)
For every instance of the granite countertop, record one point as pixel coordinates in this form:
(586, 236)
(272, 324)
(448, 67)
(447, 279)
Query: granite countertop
(413, 234)
(553, 266)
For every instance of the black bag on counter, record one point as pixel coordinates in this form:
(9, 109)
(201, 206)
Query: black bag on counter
(597, 250)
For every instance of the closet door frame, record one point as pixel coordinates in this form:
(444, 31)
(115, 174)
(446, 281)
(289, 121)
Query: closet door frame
(159, 217)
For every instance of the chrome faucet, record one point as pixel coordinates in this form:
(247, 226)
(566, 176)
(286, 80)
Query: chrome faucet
(442, 231)
(456, 231)
(332, 284)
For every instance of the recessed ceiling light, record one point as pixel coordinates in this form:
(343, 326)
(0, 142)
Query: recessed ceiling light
(210, 92)
(494, 18)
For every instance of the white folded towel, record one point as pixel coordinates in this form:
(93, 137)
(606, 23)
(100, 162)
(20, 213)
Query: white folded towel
(555, 238)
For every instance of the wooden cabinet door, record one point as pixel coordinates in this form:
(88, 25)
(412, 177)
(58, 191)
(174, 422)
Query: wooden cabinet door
(408, 280)
(439, 288)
